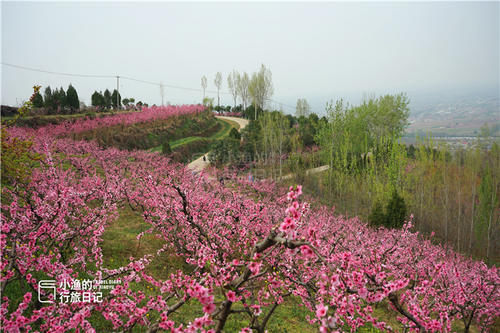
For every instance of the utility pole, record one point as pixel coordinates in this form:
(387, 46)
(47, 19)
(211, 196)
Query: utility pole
(118, 92)
(162, 93)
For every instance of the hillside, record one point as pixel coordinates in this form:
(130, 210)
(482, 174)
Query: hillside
(182, 251)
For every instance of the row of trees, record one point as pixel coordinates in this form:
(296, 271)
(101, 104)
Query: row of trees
(106, 99)
(257, 88)
(57, 101)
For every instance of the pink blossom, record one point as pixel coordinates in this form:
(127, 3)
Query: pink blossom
(321, 310)
(231, 296)
(255, 267)
(307, 252)
(209, 308)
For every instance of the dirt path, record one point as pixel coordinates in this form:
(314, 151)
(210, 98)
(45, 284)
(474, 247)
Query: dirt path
(200, 164)
(309, 172)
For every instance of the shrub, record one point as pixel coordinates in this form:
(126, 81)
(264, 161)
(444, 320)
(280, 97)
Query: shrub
(394, 215)
(377, 216)
(395, 211)
(234, 134)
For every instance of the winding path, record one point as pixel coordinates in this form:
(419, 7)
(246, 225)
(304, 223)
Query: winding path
(200, 164)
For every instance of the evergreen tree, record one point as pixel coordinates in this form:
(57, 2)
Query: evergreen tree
(411, 151)
(107, 99)
(95, 99)
(395, 211)
(98, 99)
(377, 216)
(48, 98)
(234, 134)
(394, 215)
(114, 101)
(72, 98)
(60, 98)
(38, 100)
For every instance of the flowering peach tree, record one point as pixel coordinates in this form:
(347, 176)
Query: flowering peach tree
(242, 255)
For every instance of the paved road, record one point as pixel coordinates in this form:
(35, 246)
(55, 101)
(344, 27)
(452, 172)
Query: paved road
(199, 164)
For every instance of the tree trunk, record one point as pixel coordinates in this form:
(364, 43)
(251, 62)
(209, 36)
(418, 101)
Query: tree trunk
(493, 196)
(472, 215)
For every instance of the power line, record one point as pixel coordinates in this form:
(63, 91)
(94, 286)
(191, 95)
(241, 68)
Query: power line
(140, 81)
(105, 76)
(159, 84)
(281, 104)
(57, 73)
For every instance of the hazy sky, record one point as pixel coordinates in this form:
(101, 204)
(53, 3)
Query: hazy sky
(316, 51)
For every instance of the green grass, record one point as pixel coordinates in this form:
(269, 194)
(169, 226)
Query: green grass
(226, 126)
(120, 243)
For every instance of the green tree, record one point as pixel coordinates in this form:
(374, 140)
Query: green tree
(224, 151)
(377, 216)
(107, 99)
(18, 157)
(209, 103)
(72, 98)
(234, 134)
(48, 98)
(38, 100)
(60, 99)
(488, 203)
(252, 113)
(116, 99)
(395, 211)
(98, 99)
(251, 134)
(387, 115)
(394, 215)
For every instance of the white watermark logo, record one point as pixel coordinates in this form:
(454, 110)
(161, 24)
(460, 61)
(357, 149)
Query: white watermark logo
(47, 285)
(75, 291)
